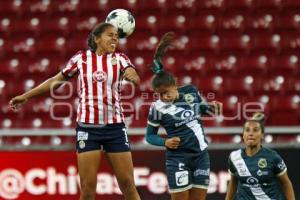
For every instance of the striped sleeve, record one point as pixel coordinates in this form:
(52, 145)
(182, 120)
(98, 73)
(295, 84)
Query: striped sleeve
(124, 61)
(71, 67)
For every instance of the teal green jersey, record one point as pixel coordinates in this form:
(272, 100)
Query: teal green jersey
(257, 175)
(182, 119)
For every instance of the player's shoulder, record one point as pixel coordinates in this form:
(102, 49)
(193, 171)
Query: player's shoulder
(235, 155)
(269, 152)
(157, 105)
(121, 54)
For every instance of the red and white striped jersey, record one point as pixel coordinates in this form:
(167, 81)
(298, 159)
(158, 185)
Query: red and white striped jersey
(99, 85)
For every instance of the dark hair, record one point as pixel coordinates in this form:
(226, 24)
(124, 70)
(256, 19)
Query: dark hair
(163, 78)
(96, 32)
(258, 118)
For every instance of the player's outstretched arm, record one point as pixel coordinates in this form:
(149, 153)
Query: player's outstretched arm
(231, 190)
(287, 186)
(44, 87)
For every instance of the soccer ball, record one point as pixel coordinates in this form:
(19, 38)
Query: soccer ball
(122, 20)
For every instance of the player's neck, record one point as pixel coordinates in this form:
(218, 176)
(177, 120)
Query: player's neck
(252, 150)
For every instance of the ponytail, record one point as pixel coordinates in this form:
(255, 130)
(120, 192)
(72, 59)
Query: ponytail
(165, 42)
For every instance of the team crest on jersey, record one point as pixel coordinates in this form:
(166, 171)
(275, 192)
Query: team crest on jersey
(81, 144)
(262, 163)
(113, 60)
(189, 98)
(99, 76)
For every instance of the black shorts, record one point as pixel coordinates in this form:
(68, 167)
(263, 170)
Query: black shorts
(185, 172)
(109, 138)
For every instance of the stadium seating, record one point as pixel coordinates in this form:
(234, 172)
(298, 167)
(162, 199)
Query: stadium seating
(238, 50)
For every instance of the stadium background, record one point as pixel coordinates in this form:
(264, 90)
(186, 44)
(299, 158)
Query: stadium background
(244, 53)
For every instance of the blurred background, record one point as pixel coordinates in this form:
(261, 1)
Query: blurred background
(243, 53)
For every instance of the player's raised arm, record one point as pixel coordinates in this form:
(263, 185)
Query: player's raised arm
(131, 75)
(53, 82)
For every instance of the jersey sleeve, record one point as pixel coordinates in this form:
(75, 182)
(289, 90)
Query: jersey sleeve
(203, 105)
(231, 168)
(154, 117)
(71, 67)
(125, 62)
(279, 165)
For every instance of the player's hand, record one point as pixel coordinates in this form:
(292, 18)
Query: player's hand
(172, 143)
(18, 101)
(131, 75)
(217, 107)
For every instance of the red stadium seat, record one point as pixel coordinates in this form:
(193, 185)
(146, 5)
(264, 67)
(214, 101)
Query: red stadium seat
(180, 7)
(291, 4)
(60, 24)
(289, 20)
(262, 20)
(77, 41)
(274, 85)
(10, 7)
(213, 85)
(255, 63)
(234, 20)
(226, 64)
(197, 63)
(6, 22)
(64, 6)
(204, 21)
(283, 119)
(55, 44)
(209, 5)
(240, 85)
(86, 22)
(288, 103)
(290, 40)
(177, 23)
(21, 44)
(148, 23)
(265, 41)
(35, 6)
(204, 41)
(233, 41)
(293, 85)
(287, 64)
(238, 4)
(269, 4)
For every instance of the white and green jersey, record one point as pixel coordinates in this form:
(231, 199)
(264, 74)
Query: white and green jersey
(257, 175)
(182, 119)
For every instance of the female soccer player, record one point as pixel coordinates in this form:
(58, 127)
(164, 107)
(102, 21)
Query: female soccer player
(255, 170)
(100, 122)
(178, 110)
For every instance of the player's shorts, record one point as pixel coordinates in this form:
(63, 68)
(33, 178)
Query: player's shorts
(109, 138)
(186, 171)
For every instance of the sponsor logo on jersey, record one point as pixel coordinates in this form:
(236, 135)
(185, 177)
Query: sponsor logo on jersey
(187, 114)
(81, 135)
(262, 173)
(182, 178)
(262, 163)
(189, 98)
(252, 181)
(99, 76)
